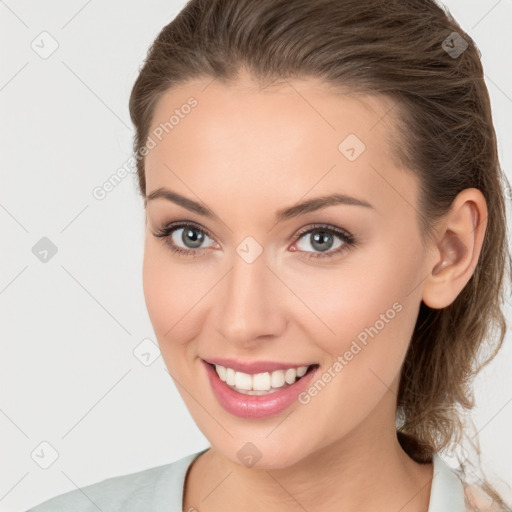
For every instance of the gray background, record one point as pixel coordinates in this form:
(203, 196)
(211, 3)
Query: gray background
(72, 325)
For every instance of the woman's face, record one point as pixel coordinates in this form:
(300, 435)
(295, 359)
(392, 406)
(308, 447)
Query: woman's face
(263, 280)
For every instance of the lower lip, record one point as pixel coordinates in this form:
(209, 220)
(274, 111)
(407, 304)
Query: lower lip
(256, 406)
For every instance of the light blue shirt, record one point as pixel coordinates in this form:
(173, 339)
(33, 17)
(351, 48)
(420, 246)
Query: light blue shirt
(160, 489)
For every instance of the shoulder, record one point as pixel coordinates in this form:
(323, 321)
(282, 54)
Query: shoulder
(451, 492)
(479, 500)
(150, 490)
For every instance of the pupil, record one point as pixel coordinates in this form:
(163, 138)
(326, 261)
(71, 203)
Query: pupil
(189, 237)
(320, 239)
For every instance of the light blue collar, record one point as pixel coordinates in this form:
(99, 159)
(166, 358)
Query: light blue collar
(447, 491)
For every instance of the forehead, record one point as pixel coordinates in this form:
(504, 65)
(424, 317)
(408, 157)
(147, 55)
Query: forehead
(280, 142)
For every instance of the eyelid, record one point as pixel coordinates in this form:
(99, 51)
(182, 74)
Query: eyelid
(328, 227)
(178, 224)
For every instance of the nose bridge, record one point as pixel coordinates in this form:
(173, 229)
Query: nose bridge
(249, 306)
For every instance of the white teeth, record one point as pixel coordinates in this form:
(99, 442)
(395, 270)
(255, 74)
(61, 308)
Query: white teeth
(243, 381)
(230, 376)
(222, 372)
(301, 371)
(290, 375)
(277, 379)
(259, 383)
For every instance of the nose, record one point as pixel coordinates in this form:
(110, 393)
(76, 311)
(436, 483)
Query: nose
(250, 306)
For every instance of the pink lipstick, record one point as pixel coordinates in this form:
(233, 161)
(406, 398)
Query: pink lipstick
(263, 405)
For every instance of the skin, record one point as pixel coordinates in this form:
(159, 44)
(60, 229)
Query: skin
(246, 152)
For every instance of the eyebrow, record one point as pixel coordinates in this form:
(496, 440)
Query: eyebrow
(296, 210)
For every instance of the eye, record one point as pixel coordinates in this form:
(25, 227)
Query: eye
(188, 239)
(184, 238)
(327, 240)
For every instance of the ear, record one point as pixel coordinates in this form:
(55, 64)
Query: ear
(455, 255)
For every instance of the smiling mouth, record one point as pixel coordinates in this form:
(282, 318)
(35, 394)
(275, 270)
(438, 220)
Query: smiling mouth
(264, 383)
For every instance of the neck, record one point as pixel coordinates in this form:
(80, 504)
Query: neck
(365, 470)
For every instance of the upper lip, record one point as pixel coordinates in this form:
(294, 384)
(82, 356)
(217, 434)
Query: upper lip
(252, 367)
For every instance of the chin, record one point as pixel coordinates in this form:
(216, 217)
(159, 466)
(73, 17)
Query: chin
(263, 454)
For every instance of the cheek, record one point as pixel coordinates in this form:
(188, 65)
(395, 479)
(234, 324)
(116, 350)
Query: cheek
(365, 307)
(170, 291)
(372, 318)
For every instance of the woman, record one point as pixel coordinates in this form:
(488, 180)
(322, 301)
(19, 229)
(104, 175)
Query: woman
(325, 255)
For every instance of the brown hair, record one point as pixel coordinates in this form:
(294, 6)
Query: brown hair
(399, 49)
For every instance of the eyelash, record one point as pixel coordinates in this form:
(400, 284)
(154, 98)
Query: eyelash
(347, 239)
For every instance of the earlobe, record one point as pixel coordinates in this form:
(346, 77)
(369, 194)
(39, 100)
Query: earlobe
(457, 250)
